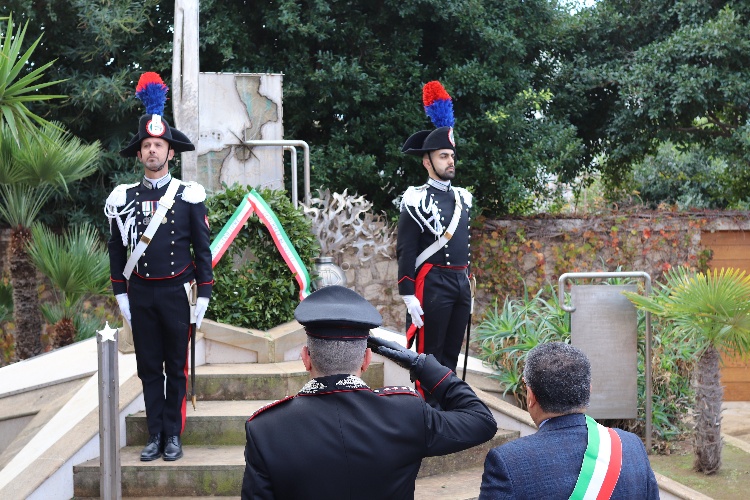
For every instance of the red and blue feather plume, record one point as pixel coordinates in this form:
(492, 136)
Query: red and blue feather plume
(152, 92)
(437, 104)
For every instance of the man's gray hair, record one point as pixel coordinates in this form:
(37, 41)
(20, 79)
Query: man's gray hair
(331, 357)
(560, 377)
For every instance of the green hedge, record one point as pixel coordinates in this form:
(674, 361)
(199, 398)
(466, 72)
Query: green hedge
(254, 287)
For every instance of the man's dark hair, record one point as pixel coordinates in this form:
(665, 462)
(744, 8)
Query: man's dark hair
(560, 377)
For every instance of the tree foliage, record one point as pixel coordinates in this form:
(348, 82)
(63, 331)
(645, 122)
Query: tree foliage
(635, 75)
(539, 91)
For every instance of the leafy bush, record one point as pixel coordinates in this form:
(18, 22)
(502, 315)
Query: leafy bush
(506, 335)
(254, 287)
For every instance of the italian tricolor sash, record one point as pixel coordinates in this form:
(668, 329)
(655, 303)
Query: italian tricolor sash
(254, 203)
(602, 462)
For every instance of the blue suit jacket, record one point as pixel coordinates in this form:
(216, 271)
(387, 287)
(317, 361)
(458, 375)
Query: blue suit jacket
(547, 464)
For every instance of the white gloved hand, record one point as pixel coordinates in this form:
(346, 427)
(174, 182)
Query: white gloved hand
(414, 309)
(201, 304)
(124, 303)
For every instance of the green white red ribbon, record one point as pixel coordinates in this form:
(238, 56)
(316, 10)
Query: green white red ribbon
(254, 203)
(602, 462)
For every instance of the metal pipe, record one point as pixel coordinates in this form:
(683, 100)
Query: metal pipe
(293, 150)
(648, 375)
(284, 143)
(109, 414)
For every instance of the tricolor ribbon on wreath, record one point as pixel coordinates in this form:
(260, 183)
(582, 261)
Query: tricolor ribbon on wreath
(254, 203)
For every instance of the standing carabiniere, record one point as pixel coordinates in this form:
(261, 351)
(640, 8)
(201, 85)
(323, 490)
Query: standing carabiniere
(160, 266)
(433, 247)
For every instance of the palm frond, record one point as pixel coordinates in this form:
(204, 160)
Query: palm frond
(15, 90)
(76, 263)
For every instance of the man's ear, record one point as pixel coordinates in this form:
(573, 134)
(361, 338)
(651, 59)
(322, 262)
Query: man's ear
(366, 359)
(171, 154)
(530, 398)
(305, 354)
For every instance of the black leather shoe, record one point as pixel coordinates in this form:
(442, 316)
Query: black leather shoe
(172, 448)
(153, 448)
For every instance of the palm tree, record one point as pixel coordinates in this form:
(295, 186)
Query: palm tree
(712, 309)
(18, 86)
(48, 161)
(77, 265)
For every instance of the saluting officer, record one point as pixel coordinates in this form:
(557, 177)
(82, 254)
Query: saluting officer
(161, 223)
(338, 438)
(433, 247)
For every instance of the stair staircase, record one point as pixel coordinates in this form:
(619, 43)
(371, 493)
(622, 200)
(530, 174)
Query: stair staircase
(214, 439)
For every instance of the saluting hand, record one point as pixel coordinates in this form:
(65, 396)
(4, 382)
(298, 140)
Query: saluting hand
(412, 361)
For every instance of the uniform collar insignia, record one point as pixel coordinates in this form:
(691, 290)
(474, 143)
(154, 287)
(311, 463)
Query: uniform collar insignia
(442, 186)
(159, 184)
(333, 383)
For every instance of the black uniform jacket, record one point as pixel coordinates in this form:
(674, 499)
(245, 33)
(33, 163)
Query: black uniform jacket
(424, 211)
(339, 439)
(168, 259)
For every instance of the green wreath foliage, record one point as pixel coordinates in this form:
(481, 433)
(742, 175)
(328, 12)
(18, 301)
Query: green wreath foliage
(253, 286)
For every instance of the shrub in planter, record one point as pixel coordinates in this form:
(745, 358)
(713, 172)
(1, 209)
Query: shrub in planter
(254, 287)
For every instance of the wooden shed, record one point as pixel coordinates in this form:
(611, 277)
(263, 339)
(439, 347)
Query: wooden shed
(731, 249)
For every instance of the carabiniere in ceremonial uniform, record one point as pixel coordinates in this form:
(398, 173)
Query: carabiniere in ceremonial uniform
(433, 246)
(160, 260)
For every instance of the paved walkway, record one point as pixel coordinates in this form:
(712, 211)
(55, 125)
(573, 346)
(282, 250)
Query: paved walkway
(735, 423)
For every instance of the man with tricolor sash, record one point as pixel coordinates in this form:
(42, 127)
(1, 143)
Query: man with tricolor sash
(433, 240)
(570, 456)
(160, 265)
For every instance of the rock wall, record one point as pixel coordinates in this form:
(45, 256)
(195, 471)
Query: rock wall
(511, 255)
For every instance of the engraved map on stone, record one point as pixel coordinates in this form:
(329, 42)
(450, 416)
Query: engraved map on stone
(235, 108)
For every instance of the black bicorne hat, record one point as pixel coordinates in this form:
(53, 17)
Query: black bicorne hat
(336, 313)
(438, 105)
(153, 94)
(147, 128)
(429, 140)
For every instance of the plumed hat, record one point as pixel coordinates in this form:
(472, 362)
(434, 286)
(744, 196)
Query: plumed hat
(439, 107)
(336, 313)
(152, 92)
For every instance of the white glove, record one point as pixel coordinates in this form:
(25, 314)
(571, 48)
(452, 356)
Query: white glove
(201, 304)
(414, 309)
(124, 303)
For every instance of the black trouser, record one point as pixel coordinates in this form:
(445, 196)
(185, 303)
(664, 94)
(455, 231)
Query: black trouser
(161, 331)
(446, 303)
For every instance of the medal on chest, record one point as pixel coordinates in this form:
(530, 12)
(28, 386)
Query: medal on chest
(148, 209)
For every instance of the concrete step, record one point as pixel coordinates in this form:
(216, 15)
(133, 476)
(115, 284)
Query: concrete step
(249, 381)
(218, 471)
(212, 423)
(460, 485)
(202, 471)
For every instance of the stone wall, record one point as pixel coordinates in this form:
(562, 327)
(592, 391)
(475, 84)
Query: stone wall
(509, 255)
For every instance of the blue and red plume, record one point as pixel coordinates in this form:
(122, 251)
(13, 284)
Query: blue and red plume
(152, 92)
(437, 104)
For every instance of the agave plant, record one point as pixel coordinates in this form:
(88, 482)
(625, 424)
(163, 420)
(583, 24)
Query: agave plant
(712, 310)
(77, 265)
(506, 336)
(19, 86)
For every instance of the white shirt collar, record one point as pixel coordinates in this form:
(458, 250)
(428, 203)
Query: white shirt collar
(157, 183)
(442, 186)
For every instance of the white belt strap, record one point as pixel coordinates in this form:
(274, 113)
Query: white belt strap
(447, 234)
(165, 203)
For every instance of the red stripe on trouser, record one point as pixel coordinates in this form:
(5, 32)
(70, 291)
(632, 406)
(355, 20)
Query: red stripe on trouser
(418, 332)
